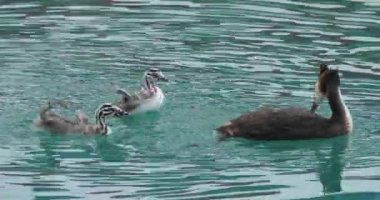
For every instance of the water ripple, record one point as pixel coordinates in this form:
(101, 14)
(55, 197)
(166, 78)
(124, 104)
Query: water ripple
(223, 58)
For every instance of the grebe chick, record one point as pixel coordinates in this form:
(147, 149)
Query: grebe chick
(149, 98)
(51, 121)
(295, 123)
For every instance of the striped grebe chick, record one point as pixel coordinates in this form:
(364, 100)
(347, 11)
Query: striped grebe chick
(296, 123)
(150, 97)
(55, 123)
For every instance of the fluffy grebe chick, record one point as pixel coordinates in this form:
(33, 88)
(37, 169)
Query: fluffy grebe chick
(295, 123)
(51, 121)
(149, 98)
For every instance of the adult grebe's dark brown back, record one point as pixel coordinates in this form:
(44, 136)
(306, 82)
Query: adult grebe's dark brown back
(296, 123)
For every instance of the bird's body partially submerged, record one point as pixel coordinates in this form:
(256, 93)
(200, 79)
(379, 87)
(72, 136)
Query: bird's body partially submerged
(51, 121)
(149, 98)
(279, 124)
(295, 123)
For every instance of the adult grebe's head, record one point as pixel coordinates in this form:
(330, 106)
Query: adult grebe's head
(319, 89)
(328, 79)
(331, 79)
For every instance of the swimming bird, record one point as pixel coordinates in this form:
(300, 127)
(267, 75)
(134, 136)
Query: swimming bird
(296, 123)
(51, 121)
(149, 98)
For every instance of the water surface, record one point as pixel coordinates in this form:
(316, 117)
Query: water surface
(223, 58)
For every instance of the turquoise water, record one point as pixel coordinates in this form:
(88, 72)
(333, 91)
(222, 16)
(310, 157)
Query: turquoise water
(223, 57)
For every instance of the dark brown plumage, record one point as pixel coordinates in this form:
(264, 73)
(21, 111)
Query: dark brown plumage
(278, 124)
(295, 123)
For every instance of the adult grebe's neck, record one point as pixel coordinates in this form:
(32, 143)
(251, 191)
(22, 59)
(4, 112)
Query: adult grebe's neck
(338, 108)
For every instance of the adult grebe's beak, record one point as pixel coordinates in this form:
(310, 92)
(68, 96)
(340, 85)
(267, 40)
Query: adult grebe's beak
(121, 113)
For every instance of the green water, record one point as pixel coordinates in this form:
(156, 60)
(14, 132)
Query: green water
(223, 57)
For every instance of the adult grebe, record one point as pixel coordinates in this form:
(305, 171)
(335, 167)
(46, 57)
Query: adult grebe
(296, 123)
(150, 97)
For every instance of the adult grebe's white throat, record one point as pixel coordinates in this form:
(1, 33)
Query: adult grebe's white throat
(347, 115)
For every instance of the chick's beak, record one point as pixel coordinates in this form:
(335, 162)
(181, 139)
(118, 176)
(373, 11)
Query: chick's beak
(121, 113)
(163, 78)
